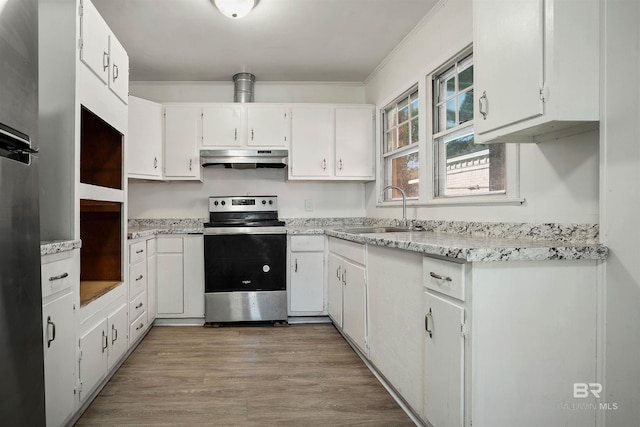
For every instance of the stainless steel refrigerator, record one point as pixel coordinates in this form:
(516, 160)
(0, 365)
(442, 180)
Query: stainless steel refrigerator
(21, 351)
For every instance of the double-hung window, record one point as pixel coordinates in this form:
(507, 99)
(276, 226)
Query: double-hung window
(400, 143)
(461, 167)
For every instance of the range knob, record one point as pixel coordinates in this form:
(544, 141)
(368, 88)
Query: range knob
(264, 202)
(223, 203)
(270, 202)
(215, 203)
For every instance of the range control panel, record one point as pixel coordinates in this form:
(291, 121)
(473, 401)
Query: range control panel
(243, 203)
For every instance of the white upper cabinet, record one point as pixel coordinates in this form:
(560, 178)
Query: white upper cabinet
(182, 130)
(245, 125)
(354, 142)
(144, 146)
(311, 153)
(536, 69)
(332, 143)
(101, 51)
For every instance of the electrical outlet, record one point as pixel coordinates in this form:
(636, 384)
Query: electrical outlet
(308, 205)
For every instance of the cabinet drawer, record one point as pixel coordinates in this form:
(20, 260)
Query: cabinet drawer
(446, 277)
(137, 279)
(307, 243)
(138, 306)
(169, 244)
(346, 249)
(151, 247)
(59, 274)
(137, 327)
(137, 252)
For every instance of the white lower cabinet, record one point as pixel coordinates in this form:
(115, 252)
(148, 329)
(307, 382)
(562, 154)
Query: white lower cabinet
(306, 276)
(101, 347)
(59, 333)
(152, 280)
(180, 276)
(444, 361)
(348, 290)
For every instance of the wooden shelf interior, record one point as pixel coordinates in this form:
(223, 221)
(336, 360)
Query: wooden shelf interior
(101, 251)
(101, 152)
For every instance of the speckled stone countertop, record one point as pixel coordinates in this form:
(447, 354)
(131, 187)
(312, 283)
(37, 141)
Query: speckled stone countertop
(55, 246)
(468, 241)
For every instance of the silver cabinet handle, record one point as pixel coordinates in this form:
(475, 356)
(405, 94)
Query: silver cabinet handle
(140, 327)
(139, 251)
(295, 269)
(439, 277)
(338, 272)
(53, 331)
(58, 277)
(139, 305)
(105, 61)
(324, 164)
(114, 334)
(483, 104)
(139, 277)
(426, 323)
(190, 164)
(115, 72)
(340, 164)
(344, 277)
(105, 341)
(235, 134)
(155, 163)
(252, 134)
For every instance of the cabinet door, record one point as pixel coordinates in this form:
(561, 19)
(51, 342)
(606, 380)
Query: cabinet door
(118, 69)
(117, 327)
(443, 362)
(93, 359)
(181, 132)
(334, 305)
(144, 139)
(354, 304)
(504, 62)
(170, 281)
(311, 142)
(221, 126)
(193, 262)
(94, 51)
(59, 358)
(307, 282)
(266, 126)
(354, 142)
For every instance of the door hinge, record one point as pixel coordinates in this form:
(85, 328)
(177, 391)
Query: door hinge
(80, 9)
(80, 44)
(544, 93)
(464, 330)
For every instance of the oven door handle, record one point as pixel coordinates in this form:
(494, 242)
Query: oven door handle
(244, 230)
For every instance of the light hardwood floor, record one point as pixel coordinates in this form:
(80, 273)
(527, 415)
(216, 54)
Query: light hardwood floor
(298, 375)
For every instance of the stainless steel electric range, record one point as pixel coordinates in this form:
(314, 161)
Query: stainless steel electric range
(245, 252)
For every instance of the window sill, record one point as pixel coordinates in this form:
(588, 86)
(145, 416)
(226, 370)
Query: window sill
(456, 201)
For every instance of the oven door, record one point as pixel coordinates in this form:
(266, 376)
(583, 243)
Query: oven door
(245, 262)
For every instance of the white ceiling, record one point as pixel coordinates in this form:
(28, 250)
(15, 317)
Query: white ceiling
(280, 40)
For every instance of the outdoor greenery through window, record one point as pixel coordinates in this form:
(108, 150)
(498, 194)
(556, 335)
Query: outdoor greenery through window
(462, 168)
(400, 145)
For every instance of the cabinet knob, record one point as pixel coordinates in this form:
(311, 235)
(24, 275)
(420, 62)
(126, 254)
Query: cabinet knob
(139, 305)
(139, 277)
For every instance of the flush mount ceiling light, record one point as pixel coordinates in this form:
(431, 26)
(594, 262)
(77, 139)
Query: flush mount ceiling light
(235, 8)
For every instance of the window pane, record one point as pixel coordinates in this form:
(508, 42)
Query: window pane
(414, 105)
(451, 86)
(465, 78)
(403, 135)
(465, 103)
(392, 142)
(451, 113)
(391, 118)
(414, 130)
(471, 169)
(405, 175)
(403, 111)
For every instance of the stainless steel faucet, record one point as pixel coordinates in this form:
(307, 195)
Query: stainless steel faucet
(404, 201)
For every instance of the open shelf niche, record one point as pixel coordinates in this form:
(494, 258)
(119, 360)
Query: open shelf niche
(101, 152)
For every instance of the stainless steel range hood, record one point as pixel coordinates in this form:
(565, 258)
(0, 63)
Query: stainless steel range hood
(245, 158)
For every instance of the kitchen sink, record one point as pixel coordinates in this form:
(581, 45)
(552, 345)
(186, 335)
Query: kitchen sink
(367, 230)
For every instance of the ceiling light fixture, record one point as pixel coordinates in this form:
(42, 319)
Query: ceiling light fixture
(235, 9)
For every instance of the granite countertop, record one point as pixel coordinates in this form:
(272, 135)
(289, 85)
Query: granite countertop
(55, 246)
(477, 248)
(471, 242)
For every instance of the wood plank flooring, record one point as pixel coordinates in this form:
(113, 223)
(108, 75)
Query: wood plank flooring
(298, 375)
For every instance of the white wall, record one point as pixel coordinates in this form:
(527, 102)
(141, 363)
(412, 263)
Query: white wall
(189, 199)
(559, 180)
(620, 154)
